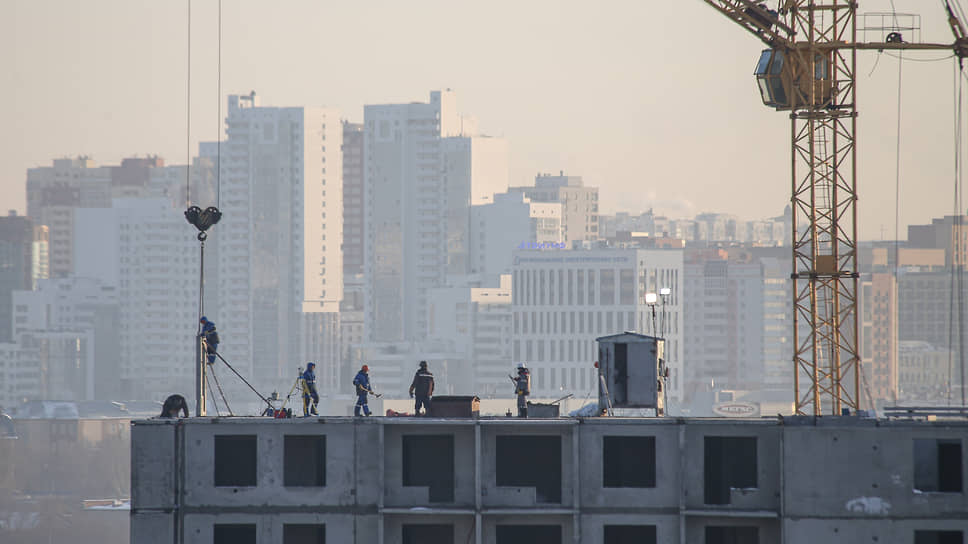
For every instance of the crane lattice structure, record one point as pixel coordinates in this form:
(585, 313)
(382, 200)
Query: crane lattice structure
(809, 70)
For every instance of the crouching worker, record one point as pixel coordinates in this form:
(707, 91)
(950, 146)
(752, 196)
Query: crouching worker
(309, 391)
(173, 405)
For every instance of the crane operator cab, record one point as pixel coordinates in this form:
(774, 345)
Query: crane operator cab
(785, 80)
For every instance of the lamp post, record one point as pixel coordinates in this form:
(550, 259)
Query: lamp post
(665, 293)
(651, 299)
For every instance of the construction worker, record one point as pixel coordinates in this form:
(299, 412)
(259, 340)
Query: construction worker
(173, 405)
(211, 338)
(309, 390)
(423, 386)
(362, 383)
(522, 388)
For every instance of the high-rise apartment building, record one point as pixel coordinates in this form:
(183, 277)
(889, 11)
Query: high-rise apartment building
(737, 321)
(949, 233)
(144, 248)
(777, 323)
(57, 313)
(476, 321)
(927, 374)
(579, 204)
(280, 261)
(354, 214)
(563, 300)
(16, 266)
(423, 171)
(509, 223)
(723, 318)
(475, 168)
(55, 192)
(879, 336)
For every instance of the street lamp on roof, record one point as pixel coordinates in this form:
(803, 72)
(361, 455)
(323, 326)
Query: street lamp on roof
(665, 293)
(651, 299)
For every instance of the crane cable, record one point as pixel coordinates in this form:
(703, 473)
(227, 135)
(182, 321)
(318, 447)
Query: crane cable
(956, 301)
(188, 109)
(897, 199)
(218, 132)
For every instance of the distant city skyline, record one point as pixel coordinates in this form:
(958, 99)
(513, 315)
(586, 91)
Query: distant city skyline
(590, 90)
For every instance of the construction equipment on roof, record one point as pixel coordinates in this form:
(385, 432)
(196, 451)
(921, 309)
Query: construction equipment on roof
(809, 70)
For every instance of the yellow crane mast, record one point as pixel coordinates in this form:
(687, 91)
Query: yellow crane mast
(809, 69)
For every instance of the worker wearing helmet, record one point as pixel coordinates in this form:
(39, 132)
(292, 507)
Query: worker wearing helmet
(211, 338)
(522, 388)
(362, 383)
(309, 390)
(423, 386)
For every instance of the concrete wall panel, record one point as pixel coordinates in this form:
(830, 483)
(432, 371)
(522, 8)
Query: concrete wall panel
(666, 491)
(866, 471)
(153, 466)
(397, 495)
(766, 495)
(152, 528)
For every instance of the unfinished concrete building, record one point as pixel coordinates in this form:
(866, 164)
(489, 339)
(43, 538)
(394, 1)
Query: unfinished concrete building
(507, 481)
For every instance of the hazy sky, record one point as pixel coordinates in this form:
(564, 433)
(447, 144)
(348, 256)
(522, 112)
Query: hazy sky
(653, 102)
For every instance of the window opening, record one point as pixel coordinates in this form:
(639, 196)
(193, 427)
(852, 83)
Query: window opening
(938, 537)
(628, 461)
(528, 534)
(428, 534)
(303, 534)
(732, 535)
(235, 460)
(234, 534)
(304, 463)
(937, 465)
(428, 461)
(630, 534)
(729, 463)
(531, 461)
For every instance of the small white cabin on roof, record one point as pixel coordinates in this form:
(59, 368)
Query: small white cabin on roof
(632, 371)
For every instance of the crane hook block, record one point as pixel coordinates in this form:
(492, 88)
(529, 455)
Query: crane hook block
(202, 220)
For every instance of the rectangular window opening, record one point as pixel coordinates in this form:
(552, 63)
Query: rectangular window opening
(630, 534)
(303, 534)
(528, 534)
(428, 461)
(732, 535)
(729, 463)
(628, 461)
(428, 534)
(937, 465)
(234, 534)
(531, 461)
(938, 537)
(235, 460)
(304, 463)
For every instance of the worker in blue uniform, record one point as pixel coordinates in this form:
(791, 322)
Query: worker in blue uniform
(211, 338)
(362, 383)
(309, 390)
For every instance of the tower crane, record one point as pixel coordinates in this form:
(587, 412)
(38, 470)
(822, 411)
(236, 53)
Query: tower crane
(808, 69)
